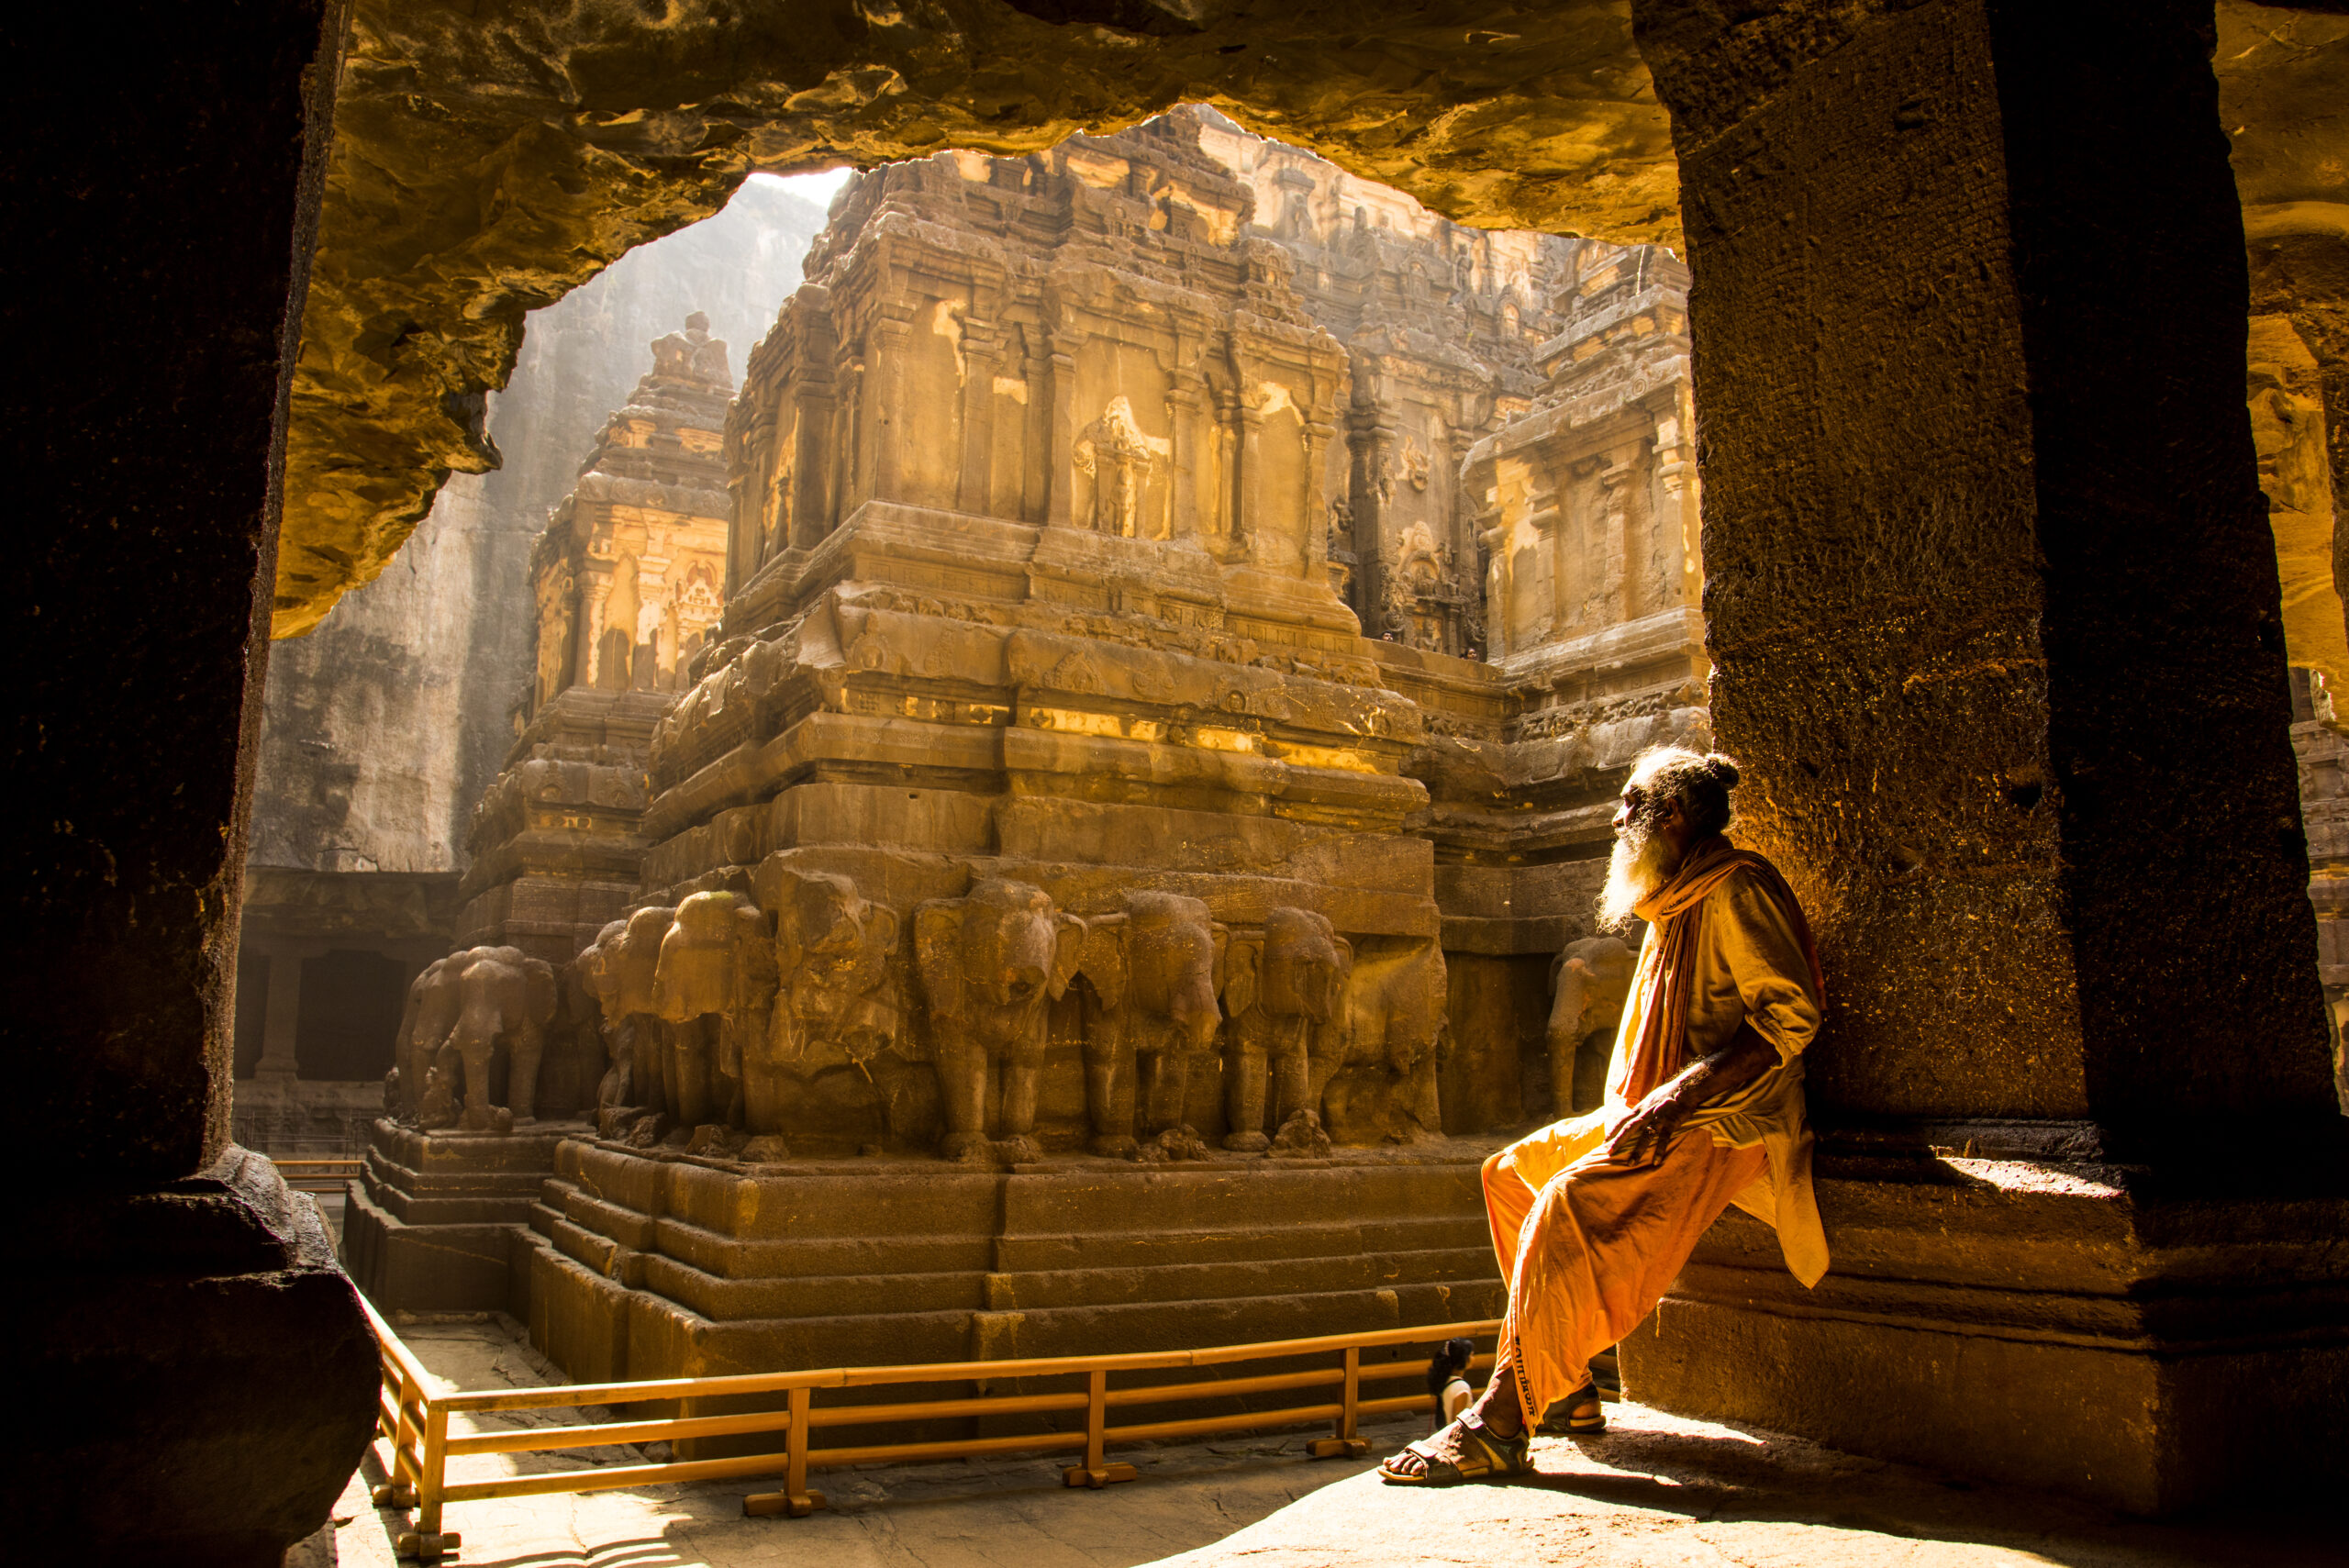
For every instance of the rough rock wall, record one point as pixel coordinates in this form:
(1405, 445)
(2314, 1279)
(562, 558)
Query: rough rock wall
(388, 723)
(486, 163)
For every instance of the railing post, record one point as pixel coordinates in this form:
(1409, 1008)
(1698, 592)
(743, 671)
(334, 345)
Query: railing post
(795, 1499)
(799, 1502)
(1345, 1444)
(428, 1540)
(398, 1490)
(1096, 1471)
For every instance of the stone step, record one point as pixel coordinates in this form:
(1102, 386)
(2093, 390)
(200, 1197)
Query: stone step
(730, 1300)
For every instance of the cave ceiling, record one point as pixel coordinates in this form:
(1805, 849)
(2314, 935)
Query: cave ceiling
(489, 157)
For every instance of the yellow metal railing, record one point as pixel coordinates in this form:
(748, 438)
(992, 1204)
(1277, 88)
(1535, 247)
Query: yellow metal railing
(414, 1421)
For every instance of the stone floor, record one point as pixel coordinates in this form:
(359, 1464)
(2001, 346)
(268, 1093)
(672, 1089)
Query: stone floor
(1655, 1490)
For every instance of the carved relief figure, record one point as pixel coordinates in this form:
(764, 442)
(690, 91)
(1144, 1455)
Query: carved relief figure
(1590, 979)
(715, 981)
(1376, 1079)
(1155, 972)
(990, 966)
(1281, 988)
(1415, 465)
(831, 1065)
(1118, 457)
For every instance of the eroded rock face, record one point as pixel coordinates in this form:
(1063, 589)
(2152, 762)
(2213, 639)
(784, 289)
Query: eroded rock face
(482, 170)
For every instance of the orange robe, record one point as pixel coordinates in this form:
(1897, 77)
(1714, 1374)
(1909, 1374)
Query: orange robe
(1589, 1245)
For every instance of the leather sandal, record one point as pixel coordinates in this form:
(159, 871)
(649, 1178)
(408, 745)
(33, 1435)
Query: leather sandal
(1485, 1455)
(1578, 1414)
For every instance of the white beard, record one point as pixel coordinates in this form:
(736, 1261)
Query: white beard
(1636, 869)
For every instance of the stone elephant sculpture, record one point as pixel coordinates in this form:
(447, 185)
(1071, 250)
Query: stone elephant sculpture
(830, 1072)
(1376, 1078)
(1154, 972)
(714, 985)
(1282, 990)
(622, 982)
(597, 972)
(503, 999)
(1590, 980)
(430, 1013)
(990, 965)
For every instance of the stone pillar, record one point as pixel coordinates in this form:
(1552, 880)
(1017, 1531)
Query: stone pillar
(1996, 625)
(1035, 484)
(1060, 403)
(1373, 524)
(894, 338)
(1249, 456)
(982, 353)
(280, 1021)
(203, 1376)
(594, 599)
(864, 428)
(1316, 501)
(1676, 476)
(1184, 388)
(813, 471)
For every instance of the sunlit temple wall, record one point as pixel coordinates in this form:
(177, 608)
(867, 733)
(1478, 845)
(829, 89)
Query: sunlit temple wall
(1441, 325)
(386, 727)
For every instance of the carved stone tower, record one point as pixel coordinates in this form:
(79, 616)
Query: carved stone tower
(629, 577)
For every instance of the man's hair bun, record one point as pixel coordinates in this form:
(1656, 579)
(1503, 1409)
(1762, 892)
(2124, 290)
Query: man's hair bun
(1722, 769)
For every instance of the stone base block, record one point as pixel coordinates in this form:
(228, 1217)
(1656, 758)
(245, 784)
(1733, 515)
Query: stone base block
(650, 1264)
(432, 1223)
(2087, 1329)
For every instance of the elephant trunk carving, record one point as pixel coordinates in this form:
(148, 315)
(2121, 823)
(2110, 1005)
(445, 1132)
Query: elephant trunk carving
(1153, 975)
(1282, 991)
(990, 966)
(713, 986)
(1592, 979)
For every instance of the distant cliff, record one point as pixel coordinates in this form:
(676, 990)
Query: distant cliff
(385, 724)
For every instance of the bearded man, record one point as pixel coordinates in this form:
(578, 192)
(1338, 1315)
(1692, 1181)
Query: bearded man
(1593, 1216)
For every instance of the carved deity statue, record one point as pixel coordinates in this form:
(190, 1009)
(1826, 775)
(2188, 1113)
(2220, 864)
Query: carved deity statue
(1118, 457)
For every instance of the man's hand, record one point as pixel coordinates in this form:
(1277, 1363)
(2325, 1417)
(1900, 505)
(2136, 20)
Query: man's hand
(1647, 1132)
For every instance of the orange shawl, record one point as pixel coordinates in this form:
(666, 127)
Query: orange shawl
(1677, 910)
